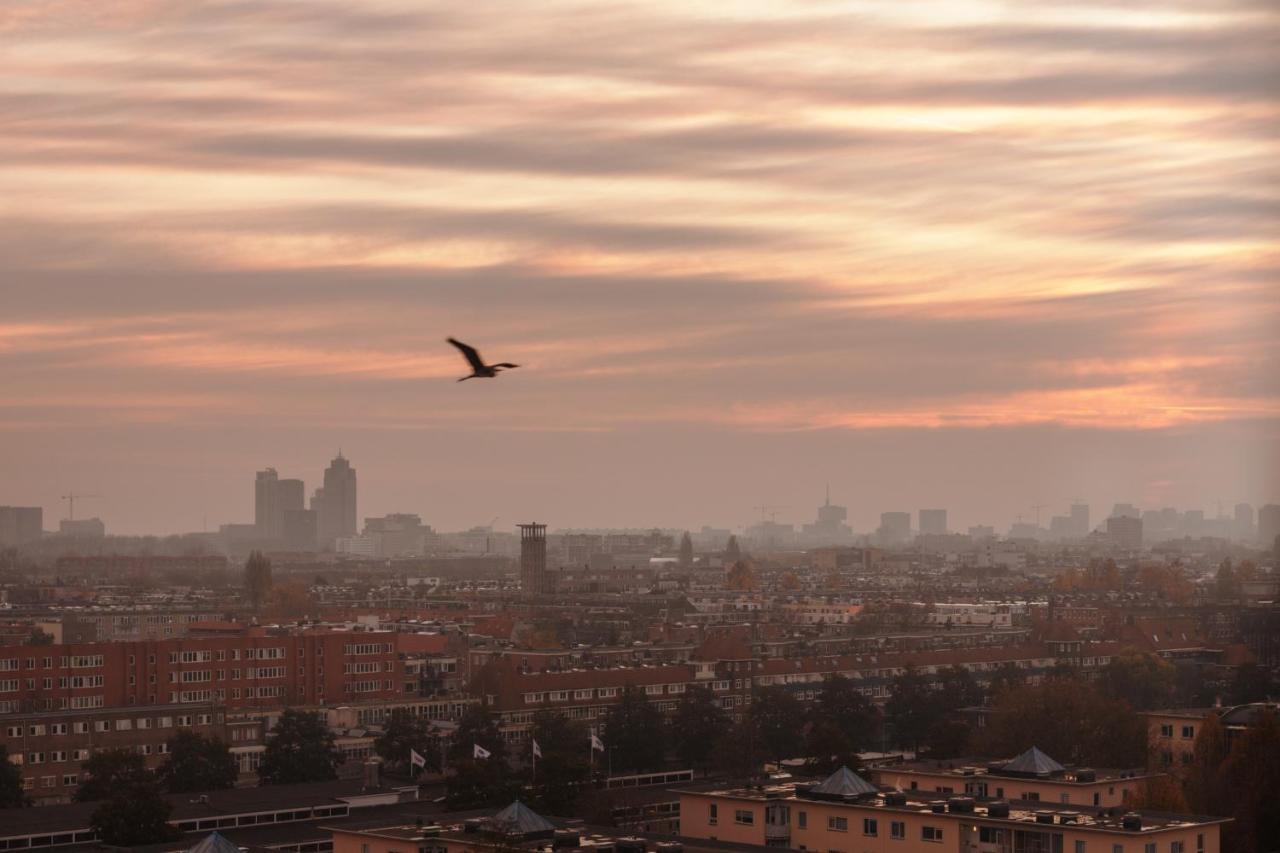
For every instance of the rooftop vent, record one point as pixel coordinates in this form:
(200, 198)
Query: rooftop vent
(938, 808)
(1044, 817)
(1085, 774)
(1132, 821)
(960, 805)
(895, 798)
(998, 809)
(1068, 817)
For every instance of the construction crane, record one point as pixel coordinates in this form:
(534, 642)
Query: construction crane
(771, 509)
(70, 498)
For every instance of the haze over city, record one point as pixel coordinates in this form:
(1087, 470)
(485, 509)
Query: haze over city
(972, 254)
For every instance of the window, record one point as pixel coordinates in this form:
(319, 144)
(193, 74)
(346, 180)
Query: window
(746, 817)
(898, 830)
(1081, 847)
(931, 833)
(1030, 795)
(1149, 847)
(1200, 842)
(870, 826)
(837, 824)
(1177, 847)
(712, 817)
(1166, 730)
(802, 820)
(1065, 798)
(1117, 848)
(1188, 732)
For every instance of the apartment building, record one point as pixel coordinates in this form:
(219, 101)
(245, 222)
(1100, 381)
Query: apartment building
(847, 814)
(1031, 777)
(256, 669)
(50, 747)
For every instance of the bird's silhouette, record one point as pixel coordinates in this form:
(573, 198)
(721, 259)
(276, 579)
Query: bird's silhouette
(479, 370)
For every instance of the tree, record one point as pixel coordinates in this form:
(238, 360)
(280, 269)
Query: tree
(1204, 775)
(829, 748)
(257, 579)
(1251, 782)
(686, 550)
(39, 637)
(405, 732)
(198, 763)
(1251, 684)
(11, 794)
(948, 737)
(563, 768)
(291, 600)
(732, 553)
(1226, 587)
(959, 689)
(634, 733)
(108, 771)
(300, 749)
(478, 782)
(1160, 793)
(912, 706)
(740, 576)
(135, 814)
(1006, 676)
(699, 720)
(1068, 718)
(1143, 680)
(840, 702)
(777, 721)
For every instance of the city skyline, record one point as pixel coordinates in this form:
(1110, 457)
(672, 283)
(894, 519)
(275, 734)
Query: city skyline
(977, 252)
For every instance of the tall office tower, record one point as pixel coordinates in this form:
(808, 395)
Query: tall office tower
(290, 496)
(1125, 532)
(933, 522)
(266, 510)
(1125, 510)
(895, 528)
(1080, 520)
(1268, 525)
(1242, 528)
(533, 559)
(20, 524)
(337, 510)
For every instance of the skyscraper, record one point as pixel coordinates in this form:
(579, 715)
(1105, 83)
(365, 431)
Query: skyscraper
(266, 511)
(1080, 520)
(21, 524)
(933, 522)
(1243, 528)
(1268, 525)
(337, 501)
(895, 528)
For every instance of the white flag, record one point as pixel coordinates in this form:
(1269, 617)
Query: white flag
(537, 750)
(596, 743)
(479, 751)
(415, 759)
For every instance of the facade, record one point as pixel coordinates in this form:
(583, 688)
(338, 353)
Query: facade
(20, 525)
(933, 522)
(335, 502)
(1268, 524)
(847, 814)
(895, 528)
(533, 559)
(1125, 532)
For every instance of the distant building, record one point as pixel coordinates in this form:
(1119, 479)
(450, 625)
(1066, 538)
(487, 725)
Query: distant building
(82, 528)
(1242, 528)
(398, 535)
(895, 528)
(335, 502)
(1125, 511)
(830, 528)
(1268, 524)
(272, 499)
(982, 531)
(933, 522)
(1125, 532)
(533, 559)
(21, 524)
(300, 528)
(1080, 520)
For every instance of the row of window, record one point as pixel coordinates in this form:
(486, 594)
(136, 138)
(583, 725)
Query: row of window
(122, 724)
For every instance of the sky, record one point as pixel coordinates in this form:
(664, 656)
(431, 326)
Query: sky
(977, 254)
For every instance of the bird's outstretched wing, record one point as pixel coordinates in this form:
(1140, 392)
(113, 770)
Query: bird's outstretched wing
(469, 352)
(505, 364)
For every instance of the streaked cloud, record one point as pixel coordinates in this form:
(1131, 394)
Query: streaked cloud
(746, 218)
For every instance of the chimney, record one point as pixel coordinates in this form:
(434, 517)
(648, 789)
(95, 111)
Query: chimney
(371, 775)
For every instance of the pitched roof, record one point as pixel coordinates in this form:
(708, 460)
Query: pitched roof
(523, 820)
(1033, 762)
(214, 842)
(844, 783)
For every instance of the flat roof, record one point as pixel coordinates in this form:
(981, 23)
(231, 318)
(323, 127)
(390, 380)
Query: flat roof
(969, 768)
(1021, 812)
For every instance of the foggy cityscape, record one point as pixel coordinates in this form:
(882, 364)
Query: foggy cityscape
(646, 427)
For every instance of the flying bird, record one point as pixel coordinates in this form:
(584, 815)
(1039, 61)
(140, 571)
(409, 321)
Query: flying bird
(479, 370)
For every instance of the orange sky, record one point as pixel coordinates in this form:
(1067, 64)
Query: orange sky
(850, 241)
